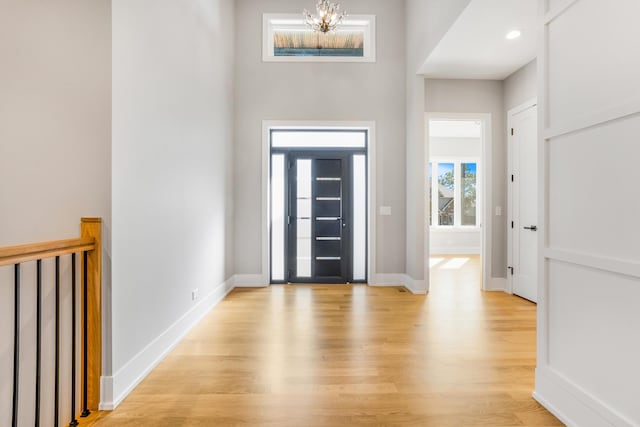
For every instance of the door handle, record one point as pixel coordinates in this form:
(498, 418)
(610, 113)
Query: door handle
(532, 228)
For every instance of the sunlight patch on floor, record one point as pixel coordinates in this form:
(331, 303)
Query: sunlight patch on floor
(454, 264)
(434, 261)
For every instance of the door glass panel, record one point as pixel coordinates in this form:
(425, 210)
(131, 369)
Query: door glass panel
(303, 220)
(359, 217)
(468, 177)
(277, 217)
(446, 179)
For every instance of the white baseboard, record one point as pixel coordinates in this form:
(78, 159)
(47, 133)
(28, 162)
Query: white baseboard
(454, 250)
(496, 284)
(115, 388)
(396, 279)
(573, 405)
(250, 281)
(417, 287)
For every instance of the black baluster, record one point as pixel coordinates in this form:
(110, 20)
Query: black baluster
(56, 399)
(16, 345)
(38, 338)
(73, 422)
(85, 411)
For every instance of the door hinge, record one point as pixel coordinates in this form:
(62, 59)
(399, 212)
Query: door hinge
(512, 132)
(512, 224)
(512, 178)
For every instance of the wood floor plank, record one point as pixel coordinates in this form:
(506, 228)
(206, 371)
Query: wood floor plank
(350, 355)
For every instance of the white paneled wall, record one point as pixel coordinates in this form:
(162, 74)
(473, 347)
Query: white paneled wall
(588, 339)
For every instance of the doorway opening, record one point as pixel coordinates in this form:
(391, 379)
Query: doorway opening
(318, 207)
(455, 195)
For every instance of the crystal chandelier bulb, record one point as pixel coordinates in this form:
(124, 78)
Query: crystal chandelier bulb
(329, 17)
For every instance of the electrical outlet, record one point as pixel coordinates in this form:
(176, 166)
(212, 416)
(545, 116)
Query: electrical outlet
(195, 294)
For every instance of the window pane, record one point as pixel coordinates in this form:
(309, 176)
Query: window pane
(334, 139)
(446, 193)
(305, 42)
(303, 220)
(359, 217)
(277, 217)
(469, 180)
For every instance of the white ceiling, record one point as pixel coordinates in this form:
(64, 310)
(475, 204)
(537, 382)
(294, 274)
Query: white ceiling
(475, 47)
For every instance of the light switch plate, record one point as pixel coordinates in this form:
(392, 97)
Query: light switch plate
(385, 210)
(498, 210)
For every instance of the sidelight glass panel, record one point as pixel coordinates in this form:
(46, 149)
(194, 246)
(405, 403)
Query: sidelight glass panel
(277, 217)
(303, 220)
(468, 172)
(446, 195)
(359, 217)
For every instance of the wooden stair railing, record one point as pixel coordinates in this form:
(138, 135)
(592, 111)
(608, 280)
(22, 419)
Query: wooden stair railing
(89, 246)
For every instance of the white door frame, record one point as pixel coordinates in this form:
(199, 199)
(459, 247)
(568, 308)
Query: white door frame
(370, 127)
(510, 231)
(485, 210)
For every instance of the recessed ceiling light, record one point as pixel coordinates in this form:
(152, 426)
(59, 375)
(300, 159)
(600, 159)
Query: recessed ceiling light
(511, 35)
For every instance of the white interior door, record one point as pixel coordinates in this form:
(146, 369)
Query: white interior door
(524, 202)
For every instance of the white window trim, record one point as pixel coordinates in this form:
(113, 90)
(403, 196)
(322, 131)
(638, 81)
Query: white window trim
(271, 20)
(457, 214)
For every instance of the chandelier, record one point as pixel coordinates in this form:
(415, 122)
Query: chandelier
(329, 17)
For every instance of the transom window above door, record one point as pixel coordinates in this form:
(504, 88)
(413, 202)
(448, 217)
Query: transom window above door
(287, 38)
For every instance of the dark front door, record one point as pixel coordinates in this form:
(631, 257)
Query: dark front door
(319, 217)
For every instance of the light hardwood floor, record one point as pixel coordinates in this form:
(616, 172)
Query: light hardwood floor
(350, 355)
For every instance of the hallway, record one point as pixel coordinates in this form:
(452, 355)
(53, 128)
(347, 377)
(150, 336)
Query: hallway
(344, 355)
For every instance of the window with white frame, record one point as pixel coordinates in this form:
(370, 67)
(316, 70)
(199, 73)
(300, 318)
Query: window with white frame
(286, 38)
(455, 203)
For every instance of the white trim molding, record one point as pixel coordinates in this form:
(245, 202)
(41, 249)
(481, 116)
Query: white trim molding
(572, 405)
(416, 287)
(114, 389)
(455, 250)
(250, 281)
(496, 284)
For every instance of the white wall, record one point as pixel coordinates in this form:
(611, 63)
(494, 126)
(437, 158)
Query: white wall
(427, 21)
(588, 318)
(55, 164)
(172, 175)
(320, 91)
(455, 241)
(454, 147)
(480, 96)
(521, 86)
